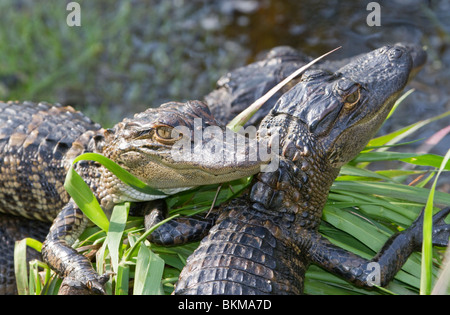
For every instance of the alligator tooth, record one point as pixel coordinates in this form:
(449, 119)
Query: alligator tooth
(296, 156)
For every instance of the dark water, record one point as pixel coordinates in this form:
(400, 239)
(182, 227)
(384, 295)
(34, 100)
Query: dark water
(318, 26)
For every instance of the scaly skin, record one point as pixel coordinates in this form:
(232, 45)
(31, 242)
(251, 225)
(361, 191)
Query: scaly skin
(264, 241)
(38, 143)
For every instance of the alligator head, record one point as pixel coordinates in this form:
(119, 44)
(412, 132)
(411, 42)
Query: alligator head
(179, 145)
(340, 112)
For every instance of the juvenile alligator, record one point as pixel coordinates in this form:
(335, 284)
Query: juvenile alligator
(264, 241)
(38, 143)
(241, 87)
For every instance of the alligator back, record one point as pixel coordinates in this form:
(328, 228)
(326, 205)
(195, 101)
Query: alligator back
(37, 144)
(243, 255)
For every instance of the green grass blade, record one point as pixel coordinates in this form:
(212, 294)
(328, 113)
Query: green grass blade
(127, 255)
(398, 102)
(427, 242)
(122, 279)
(20, 267)
(149, 271)
(412, 158)
(116, 227)
(240, 120)
(35, 244)
(396, 136)
(122, 174)
(415, 194)
(85, 199)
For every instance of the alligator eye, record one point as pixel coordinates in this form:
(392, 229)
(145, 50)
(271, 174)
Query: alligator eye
(164, 132)
(352, 99)
(167, 135)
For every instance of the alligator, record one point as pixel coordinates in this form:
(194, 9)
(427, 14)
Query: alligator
(242, 86)
(264, 241)
(39, 142)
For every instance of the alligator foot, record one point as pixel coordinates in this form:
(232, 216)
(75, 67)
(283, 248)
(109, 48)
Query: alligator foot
(58, 253)
(440, 230)
(390, 258)
(179, 231)
(71, 286)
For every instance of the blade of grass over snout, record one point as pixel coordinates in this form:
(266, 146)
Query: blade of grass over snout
(122, 174)
(427, 243)
(85, 199)
(239, 121)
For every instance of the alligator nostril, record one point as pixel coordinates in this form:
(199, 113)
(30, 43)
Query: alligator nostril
(395, 53)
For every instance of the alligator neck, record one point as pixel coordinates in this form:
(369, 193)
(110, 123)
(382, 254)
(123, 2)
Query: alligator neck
(298, 189)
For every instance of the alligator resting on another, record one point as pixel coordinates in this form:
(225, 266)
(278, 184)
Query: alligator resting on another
(38, 143)
(264, 241)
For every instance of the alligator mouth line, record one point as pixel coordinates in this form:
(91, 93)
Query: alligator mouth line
(214, 168)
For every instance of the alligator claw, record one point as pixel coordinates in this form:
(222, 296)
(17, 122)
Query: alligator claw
(441, 230)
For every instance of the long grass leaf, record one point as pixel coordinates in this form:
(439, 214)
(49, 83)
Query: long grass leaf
(121, 173)
(85, 199)
(415, 194)
(427, 242)
(239, 121)
(398, 135)
(122, 279)
(412, 158)
(149, 271)
(116, 228)
(398, 102)
(20, 267)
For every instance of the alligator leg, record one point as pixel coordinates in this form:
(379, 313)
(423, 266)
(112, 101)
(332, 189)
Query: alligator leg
(389, 259)
(178, 231)
(63, 259)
